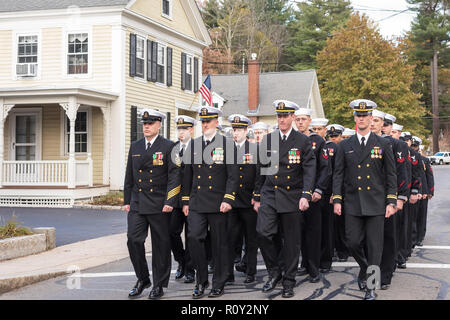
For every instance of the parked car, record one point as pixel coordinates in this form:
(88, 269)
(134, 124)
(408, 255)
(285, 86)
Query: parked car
(440, 158)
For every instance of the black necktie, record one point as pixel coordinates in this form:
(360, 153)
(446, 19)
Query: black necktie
(362, 142)
(207, 142)
(148, 145)
(182, 151)
(284, 138)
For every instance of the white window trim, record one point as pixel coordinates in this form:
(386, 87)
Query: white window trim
(16, 54)
(64, 152)
(65, 53)
(169, 16)
(144, 37)
(165, 64)
(189, 55)
(12, 126)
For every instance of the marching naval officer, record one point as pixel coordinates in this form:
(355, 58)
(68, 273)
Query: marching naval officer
(209, 192)
(285, 192)
(185, 129)
(365, 180)
(152, 183)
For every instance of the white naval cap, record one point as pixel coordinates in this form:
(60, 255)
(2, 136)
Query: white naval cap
(348, 132)
(239, 121)
(303, 112)
(260, 126)
(319, 122)
(416, 140)
(397, 127)
(150, 116)
(184, 121)
(378, 113)
(335, 129)
(389, 118)
(285, 106)
(362, 106)
(208, 113)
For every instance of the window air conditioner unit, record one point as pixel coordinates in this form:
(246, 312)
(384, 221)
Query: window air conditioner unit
(26, 69)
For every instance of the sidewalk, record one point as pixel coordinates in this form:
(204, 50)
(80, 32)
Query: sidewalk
(24, 271)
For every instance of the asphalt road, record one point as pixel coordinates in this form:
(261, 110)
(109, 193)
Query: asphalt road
(72, 225)
(426, 278)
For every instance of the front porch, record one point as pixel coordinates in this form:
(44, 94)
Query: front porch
(54, 146)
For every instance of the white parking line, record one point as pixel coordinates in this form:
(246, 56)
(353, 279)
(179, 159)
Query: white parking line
(335, 264)
(434, 247)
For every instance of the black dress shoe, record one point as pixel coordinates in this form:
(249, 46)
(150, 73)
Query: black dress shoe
(215, 293)
(241, 267)
(362, 284)
(271, 284)
(324, 270)
(401, 265)
(302, 271)
(189, 278)
(314, 279)
(210, 269)
(180, 271)
(237, 259)
(287, 292)
(249, 279)
(420, 243)
(139, 287)
(199, 290)
(370, 295)
(156, 293)
(230, 280)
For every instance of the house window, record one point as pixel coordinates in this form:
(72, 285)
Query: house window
(27, 49)
(161, 64)
(77, 53)
(81, 133)
(189, 73)
(166, 8)
(140, 57)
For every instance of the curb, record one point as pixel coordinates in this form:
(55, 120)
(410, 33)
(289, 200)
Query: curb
(96, 207)
(10, 284)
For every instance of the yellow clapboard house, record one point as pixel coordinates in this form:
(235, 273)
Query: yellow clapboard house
(75, 76)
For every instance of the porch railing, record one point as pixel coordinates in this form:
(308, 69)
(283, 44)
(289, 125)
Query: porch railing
(46, 173)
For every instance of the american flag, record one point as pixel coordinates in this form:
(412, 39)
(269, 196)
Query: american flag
(205, 90)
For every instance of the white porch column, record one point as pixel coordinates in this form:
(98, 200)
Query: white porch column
(4, 110)
(71, 109)
(106, 142)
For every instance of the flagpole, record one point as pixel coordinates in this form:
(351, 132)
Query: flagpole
(195, 97)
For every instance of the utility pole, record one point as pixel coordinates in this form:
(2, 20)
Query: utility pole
(435, 101)
(243, 62)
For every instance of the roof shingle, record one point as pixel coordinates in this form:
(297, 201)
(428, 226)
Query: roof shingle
(32, 5)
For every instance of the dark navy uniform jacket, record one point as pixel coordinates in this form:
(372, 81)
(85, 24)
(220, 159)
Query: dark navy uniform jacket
(331, 151)
(429, 175)
(152, 179)
(323, 164)
(366, 176)
(400, 149)
(246, 160)
(210, 181)
(294, 173)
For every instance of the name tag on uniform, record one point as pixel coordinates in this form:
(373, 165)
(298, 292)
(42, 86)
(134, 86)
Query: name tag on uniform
(158, 159)
(351, 151)
(135, 155)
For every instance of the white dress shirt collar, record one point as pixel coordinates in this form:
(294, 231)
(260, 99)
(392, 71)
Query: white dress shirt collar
(285, 134)
(151, 141)
(360, 136)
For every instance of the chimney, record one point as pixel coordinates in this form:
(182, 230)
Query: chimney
(253, 86)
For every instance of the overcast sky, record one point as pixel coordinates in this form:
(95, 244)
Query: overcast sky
(394, 26)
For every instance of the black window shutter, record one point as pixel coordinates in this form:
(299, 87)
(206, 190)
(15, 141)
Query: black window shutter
(154, 60)
(195, 74)
(183, 71)
(169, 66)
(149, 60)
(132, 55)
(168, 125)
(133, 127)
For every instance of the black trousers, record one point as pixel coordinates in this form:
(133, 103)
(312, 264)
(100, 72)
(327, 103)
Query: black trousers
(412, 226)
(269, 224)
(177, 221)
(243, 219)
(327, 243)
(312, 237)
(339, 235)
(422, 219)
(138, 225)
(401, 226)
(389, 257)
(197, 237)
(369, 231)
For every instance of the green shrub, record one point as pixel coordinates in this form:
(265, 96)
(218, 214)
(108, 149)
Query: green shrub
(110, 199)
(12, 229)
